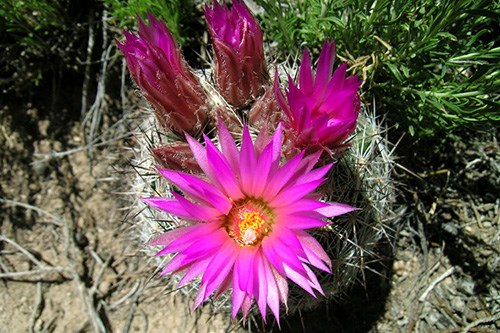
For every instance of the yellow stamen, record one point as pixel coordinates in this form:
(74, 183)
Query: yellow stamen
(248, 222)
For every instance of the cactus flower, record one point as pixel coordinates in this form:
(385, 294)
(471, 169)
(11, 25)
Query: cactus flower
(240, 69)
(156, 65)
(321, 109)
(246, 221)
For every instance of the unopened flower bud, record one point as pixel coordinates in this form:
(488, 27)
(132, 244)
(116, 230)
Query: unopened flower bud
(167, 81)
(240, 70)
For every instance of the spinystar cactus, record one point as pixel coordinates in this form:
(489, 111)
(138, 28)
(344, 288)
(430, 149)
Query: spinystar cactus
(240, 70)
(167, 81)
(322, 109)
(246, 221)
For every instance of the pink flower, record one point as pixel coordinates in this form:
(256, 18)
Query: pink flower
(246, 221)
(156, 64)
(237, 41)
(321, 109)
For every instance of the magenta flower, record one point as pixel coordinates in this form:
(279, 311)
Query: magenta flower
(240, 69)
(321, 109)
(246, 221)
(156, 64)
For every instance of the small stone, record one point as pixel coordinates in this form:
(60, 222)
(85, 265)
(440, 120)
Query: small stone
(458, 304)
(399, 267)
(451, 228)
(446, 216)
(468, 287)
(104, 287)
(34, 187)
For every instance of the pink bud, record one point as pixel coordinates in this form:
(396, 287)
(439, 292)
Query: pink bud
(167, 81)
(176, 156)
(240, 70)
(321, 109)
(265, 111)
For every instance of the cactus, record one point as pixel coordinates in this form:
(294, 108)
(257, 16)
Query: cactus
(360, 177)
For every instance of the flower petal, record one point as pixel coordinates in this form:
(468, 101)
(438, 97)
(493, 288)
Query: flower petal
(248, 161)
(306, 80)
(169, 236)
(281, 177)
(228, 147)
(294, 193)
(335, 209)
(220, 266)
(222, 173)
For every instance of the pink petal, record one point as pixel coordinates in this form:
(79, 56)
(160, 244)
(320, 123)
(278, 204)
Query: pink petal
(325, 65)
(277, 140)
(169, 236)
(273, 298)
(288, 239)
(171, 206)
(199, 153)
(313, 280)
(282, 285)
(245, 268)
(305, 205)
(335, 209)
(314, 260)
(197, 212)
(199, 189)
(199, 231)
(228, 147)
(222, 172)
(272, 256)
(203, 248)
(247, 303)
(292, 194)
(248, 161)
(299, 279)
(261, 286)
(174, 264)
(281, 177)
(238, 294)
(305, 75)
(201, 296)
(264, 164)
(224, 286)
(311, 244)
(313, 175)
(297, 221)
(193, 271)
(285, 255)
(280, 98)
(220, 266)
(306, 165)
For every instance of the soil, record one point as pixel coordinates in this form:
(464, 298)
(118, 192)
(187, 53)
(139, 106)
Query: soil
(70, 259)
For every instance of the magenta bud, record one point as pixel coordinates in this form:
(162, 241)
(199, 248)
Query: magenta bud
(321, 109)
(176, 156)
(156, 65)
(240, 70)
(265, 111)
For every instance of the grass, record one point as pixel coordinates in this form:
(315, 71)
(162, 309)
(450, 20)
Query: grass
(431, 66)
(175, 13)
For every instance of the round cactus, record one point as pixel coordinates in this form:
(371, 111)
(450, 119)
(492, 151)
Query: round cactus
(322, 200)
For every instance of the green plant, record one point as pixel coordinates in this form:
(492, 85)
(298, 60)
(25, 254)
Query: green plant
(175, 13)
(432, 66)
(32, 34)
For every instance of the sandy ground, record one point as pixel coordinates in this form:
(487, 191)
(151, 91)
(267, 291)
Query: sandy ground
(70, 262)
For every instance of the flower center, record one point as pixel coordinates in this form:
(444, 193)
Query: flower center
(249, 221)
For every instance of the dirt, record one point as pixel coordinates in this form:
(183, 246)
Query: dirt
(70, 260)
